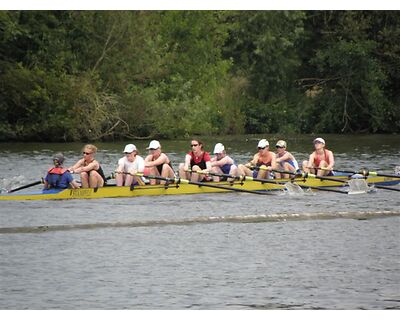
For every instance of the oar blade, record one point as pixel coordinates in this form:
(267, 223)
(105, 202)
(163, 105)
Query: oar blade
(358, 186)
(293, 188)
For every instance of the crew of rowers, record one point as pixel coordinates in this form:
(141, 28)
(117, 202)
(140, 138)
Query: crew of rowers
(198, 166)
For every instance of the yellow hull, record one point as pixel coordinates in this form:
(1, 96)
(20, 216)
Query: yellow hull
(178, 189)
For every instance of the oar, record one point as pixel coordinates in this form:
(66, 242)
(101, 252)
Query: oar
(249, 178)
(385, 188)
(239, 178)
(366, 173)
(299, 175)
(322, 189)
(200, 184)
(353, 188)
(27, 185)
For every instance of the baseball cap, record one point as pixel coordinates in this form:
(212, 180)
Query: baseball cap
(219, 147)
(130, 148)
(263, 143)
(59, 157)
(281, 143)
(319, 140)
(154, 144)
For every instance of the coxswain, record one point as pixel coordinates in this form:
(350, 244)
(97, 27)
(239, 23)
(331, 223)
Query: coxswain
(58, 177)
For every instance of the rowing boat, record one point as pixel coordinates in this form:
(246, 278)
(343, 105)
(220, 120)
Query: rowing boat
(179, 188)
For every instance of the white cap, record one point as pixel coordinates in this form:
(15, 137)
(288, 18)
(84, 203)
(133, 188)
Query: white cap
(130, 148)
(263, 143)
(154, 144)
(319, 140)
(219, 147)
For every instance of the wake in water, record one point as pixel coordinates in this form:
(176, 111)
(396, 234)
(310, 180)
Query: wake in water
(274, 217)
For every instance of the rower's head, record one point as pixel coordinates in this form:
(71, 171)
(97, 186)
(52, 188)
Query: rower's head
(263, 145)
(58, 159)
(319, 143)
(154, 147)
(89, 151)
(196, 145)
(130, 151)
(219, 150)
(281, 146)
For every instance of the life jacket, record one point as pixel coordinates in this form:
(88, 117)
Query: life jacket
(54, 177)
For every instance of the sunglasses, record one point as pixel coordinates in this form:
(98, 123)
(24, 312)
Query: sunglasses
(152, 149)
(194, 145)
(128, 152)
(259, 148)
(279, 146)
(86, 153)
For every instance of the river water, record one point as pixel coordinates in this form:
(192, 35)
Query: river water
(317, 250)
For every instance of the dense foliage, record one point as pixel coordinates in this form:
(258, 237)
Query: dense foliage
(73, 75)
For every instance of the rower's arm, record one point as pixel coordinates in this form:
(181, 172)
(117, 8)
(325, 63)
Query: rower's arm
(76, 166)
(311, 160)
(187, 162)
(252, 162)
(94, 165)
(331, 160)
(274, 165)
(161, 160)
(219, 163)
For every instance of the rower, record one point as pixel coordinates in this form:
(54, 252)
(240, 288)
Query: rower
(263, 159)
(157, 163)
(89, 168)
(285, 160)
(321, 161)
(128, 166)
(196, 160)
(221, 163)
(59, 177)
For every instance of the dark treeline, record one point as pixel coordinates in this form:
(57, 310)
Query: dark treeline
(102, 75)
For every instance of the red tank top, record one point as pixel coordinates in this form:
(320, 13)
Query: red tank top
(265, 163)
(318, 158)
